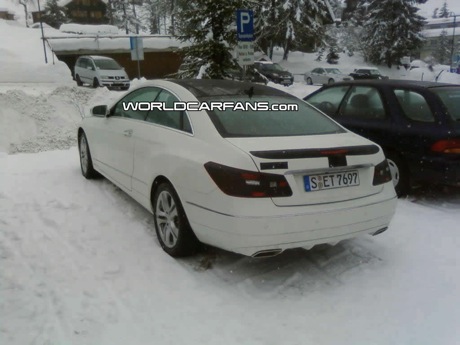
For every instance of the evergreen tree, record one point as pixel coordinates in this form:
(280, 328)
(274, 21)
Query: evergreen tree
(443, 51)
(269, 26)
(303, 23)
(122, 14)
(209, 26)
(444, 12)
(435, 13)
(392, 30)
(53, 14)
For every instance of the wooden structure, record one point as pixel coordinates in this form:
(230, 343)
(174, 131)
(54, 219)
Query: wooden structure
(162, 55)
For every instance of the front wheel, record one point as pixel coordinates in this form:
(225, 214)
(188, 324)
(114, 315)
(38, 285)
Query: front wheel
(78, 80)
(173, 230)
(96, 83)
(86, 162)
(399, 174)
(331, 81)
(309, 81)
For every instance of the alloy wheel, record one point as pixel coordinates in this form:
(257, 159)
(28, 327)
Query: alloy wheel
(167, 219)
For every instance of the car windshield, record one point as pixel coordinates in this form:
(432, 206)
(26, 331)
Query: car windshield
(272, 67)
(333, 71)
(257, 123)
(374, 72)
(450, 96)
(107, 64)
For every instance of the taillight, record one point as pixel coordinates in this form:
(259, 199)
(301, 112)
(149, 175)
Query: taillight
(248, 184)
(382, 173)
(446, 146)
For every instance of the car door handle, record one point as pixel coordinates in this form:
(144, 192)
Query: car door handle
(128, 132)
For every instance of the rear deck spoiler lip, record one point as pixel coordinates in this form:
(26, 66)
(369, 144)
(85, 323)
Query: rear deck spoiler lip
(318, 152)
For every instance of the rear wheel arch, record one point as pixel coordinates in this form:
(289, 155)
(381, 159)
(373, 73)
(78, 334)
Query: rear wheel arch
(186, 241)
(403, 187)
(156, 182)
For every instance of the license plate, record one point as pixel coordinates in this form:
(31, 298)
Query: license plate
(331, 181)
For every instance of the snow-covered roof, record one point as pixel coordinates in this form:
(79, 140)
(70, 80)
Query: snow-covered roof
(437, 32)
(34, 4)
(439, 20)
(86, 29)
(4, 9)
(61, 43)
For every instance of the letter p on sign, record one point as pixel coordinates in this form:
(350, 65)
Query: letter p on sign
(245, 25)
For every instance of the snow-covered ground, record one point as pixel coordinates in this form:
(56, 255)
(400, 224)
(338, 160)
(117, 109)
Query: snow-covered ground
(80, 263)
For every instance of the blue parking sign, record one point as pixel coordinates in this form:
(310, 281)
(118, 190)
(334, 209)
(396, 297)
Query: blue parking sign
(245, 25)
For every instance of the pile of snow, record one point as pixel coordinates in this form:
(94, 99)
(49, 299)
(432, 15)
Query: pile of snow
(86, 29)
(46, 119)
(22, 57)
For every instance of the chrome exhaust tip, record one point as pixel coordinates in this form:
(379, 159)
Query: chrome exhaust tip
(268, 253)
(380, 231)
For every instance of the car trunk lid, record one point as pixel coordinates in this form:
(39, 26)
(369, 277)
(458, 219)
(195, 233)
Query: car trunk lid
(315, 165)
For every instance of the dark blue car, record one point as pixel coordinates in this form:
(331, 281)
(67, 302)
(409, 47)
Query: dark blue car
(416, 123)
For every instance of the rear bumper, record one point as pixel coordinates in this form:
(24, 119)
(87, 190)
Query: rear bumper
(298, 227)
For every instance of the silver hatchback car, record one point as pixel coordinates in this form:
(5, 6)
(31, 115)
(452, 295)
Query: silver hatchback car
(100, 71)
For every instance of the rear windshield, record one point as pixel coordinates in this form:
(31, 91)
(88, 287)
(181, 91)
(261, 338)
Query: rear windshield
(107, 64)
(450, 96)
(257, 123)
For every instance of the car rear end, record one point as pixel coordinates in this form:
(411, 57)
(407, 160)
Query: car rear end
(442, 161)
(309, 181)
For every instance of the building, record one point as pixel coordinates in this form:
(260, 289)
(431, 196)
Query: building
(432, 32)
(6, 14)
(79, 11)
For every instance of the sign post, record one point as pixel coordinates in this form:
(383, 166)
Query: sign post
(137, 52)
(245, 36)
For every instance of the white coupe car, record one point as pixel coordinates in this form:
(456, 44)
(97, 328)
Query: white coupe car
(251, 182)
(325, 76)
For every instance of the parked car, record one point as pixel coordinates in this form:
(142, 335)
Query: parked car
(416, 123)
(252, 182)
(252, 75)
(100, 71)
(274, 72)
(325, 75)
(367, 73)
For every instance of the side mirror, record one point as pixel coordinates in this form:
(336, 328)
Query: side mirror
(100, 110)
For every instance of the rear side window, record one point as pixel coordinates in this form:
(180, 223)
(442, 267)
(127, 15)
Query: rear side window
(329, 100)
(450, 97)
(414, 105)
(364, 102)
(257, 123)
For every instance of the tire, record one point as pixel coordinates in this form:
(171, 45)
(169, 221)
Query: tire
(78, 80)
(399, 174)
(96, 83)
(331, 81)
(173, 230)
(86, 163)
(309, 81)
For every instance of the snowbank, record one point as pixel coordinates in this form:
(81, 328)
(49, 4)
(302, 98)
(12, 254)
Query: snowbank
(22, 57)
